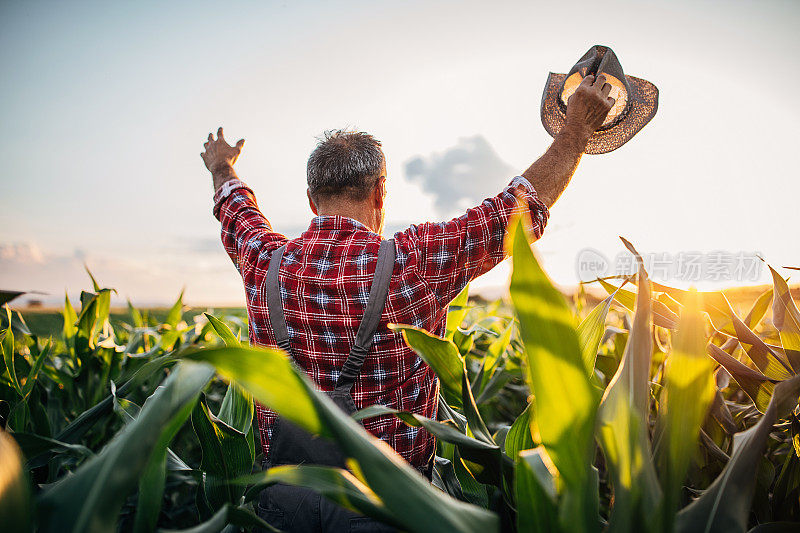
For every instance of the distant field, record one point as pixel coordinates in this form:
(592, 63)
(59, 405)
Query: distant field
(48, 321)
(45, 322)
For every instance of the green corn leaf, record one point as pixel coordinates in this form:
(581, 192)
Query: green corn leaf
(500, 376)
(175, 313)
(662, 315)
(759, 309)
(136, 316)
(591, 330)
(464, 341)
(336, 484)
(474, 418)
(19, 324)
(725, 505)
(91, 498)
(271, 378)
(225, 456)
(499, 436)
(91, 276)
(519, 437)
(78, 427)
(128, 410)
(447, 432)
(92, 319)
(151, 493)
(34, 445)
(714, 303)
(457, 312)
(766, 360)
(103, 307)
(445, 478)
(722, 414)
(411, 500)
(688, 393)
(30, 381)
(86, 322)
(441, 355)
(223, 331)
(714, 451)
(623, 423)
(7, 296)
(237, 407)
(565, 401)
(786, 318)
(624, 297)
(20, 417)
(477, 382)
(486, 462)
(448, 413)
(170, 337)
(473, 490)
(639, 348)
(787, 486)
(755, 384)
(15, 490)
(7, 346)
(70, 321)
(535, 489)
(240, 517)
(494, 357)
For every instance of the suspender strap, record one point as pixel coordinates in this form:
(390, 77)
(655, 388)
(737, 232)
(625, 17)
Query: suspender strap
(366, 329)
(372, 316)
(274, 304)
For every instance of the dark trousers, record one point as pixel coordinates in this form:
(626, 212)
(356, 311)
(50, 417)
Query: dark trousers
(297, 509)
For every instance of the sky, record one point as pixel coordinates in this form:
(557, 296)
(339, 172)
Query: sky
(105, 107)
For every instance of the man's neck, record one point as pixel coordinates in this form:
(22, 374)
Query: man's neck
(359, 212)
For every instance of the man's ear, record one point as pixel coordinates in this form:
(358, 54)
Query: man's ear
(311, 203)
(379, 193)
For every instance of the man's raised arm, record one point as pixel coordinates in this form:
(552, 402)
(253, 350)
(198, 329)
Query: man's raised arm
(246, 233)
(586, 110)
(449, 255)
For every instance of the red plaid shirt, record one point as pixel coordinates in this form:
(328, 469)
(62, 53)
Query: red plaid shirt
(325, 278)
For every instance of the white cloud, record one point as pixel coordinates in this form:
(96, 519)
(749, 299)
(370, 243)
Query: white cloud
(457, 177)
(22, 252)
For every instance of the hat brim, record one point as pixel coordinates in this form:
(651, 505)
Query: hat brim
(642, 106)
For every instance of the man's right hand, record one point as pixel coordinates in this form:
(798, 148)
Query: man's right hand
(219, 157)
(588, 106)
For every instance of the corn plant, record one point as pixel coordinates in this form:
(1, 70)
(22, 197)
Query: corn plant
(94, 413)
(656, 410)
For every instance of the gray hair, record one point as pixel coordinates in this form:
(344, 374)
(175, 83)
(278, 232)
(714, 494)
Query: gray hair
(345, 163)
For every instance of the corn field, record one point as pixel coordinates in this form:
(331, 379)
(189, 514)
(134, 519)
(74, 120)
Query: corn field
(656, 410)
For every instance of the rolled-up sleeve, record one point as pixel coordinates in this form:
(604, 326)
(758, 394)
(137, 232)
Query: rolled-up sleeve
(451, 254)
(247, 235)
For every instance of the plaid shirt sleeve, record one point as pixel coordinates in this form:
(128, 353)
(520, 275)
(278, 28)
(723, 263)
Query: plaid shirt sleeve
(451, 254)
(246, 233)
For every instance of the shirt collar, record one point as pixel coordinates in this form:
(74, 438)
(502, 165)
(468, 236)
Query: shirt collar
(336, 223)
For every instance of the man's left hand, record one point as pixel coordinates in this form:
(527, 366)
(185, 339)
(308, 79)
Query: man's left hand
(588, 106)
(219, 157)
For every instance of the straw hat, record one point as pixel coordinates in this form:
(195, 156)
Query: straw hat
(636, 100)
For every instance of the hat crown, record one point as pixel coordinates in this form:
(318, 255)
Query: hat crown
(600, 59)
